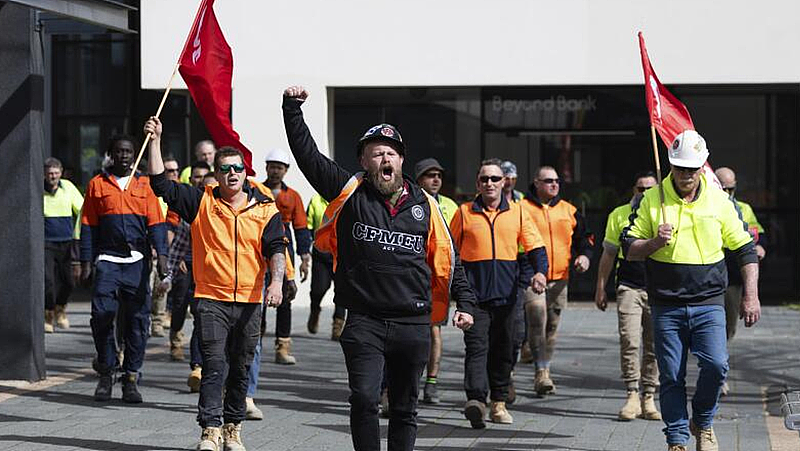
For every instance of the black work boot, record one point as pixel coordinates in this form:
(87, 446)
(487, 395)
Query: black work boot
(103, 390)
(130, 392)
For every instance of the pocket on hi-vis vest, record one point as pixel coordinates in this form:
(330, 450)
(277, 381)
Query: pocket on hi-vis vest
(389, 289)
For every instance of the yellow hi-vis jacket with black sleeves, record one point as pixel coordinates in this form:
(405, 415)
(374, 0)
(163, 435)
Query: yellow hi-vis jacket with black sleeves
(690, 269)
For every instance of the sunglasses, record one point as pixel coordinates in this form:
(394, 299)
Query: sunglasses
(487, 178)
(682, 169)
(432, 175)
(549, 181)
(642, 189)
(225, 168)
(729, 189)
(172, 170)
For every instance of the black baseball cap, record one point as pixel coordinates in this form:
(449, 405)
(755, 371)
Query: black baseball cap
(382, 132)
(426, 165)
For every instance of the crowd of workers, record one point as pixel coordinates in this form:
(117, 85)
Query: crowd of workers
(214, 242)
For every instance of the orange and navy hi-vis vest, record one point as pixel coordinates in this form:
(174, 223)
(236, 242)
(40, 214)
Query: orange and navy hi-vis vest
(556, 222)
(440, 252)
(227, 261)
(114, 222)
(488, 242)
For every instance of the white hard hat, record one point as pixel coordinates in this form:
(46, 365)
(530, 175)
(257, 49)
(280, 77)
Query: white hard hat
(688, 150)
(278, 155)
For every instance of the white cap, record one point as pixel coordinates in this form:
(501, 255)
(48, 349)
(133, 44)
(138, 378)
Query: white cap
(688, 150)
(278, 155)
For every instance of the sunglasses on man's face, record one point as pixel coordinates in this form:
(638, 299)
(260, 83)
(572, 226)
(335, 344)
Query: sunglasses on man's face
(685, 170)
(729, 189)
(549, 181)
(642, 189)
(225, 168)
(487, 178)
(172, 171)
(433, 175)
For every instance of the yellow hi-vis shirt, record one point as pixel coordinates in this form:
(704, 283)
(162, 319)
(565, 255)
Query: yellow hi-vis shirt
(690, 269)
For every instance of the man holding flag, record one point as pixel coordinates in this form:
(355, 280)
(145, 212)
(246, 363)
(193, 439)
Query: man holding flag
(681, 230)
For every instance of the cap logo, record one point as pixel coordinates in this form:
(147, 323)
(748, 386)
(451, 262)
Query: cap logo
(697, 147)
(386, 131)
(675, 144)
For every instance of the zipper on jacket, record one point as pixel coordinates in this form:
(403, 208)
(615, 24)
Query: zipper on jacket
(550, 270)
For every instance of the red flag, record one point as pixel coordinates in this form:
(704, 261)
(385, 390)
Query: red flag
(206, 65)
(668, 115)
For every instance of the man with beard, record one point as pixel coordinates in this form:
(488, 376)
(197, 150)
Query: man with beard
(682, 229)
(62, 203)
(119, 227)
(394, 261)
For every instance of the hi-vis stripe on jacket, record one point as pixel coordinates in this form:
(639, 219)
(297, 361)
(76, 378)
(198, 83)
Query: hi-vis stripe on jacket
(440, 255)
(690, 269)
(489, 241)
(114, 221)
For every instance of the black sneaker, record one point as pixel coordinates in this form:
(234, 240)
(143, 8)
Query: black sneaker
(430, 395)
(103, 390)
(130, 392)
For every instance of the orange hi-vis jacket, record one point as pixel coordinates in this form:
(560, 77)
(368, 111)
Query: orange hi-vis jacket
(438, 245)
(230, 248)
(564, 232)
(489, 242)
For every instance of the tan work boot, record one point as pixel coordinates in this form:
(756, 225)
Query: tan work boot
(232, 437)
(475, 411)
(649, 409)
(499, 413)
(156, 329)
(175, 347)
(210, 440)
(49, 321)
(542, 382)
(705, 438)
(525, 354)
(253, 412)
(283, 351)
(676, 448)
(632, 407)
(61, 317)
(194, 379)
(337, 328)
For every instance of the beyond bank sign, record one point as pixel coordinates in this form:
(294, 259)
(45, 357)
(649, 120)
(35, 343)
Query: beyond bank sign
(553, 104)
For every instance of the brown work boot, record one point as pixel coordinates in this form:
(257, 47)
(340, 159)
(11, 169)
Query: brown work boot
(337, 328)
(632, 407)
(194, 379)
(475, 411)
(283, 351)
(313, 321)
(210, 439)
(175, 347)
(232, 437)
(499, 413)
(49, 321)
(157, 330)
(61, 317)
(525, 354)
(676, 448)
(649, 409)
(705, 438)
(542, 382)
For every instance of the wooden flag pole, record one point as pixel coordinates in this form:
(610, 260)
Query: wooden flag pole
(150, 135)
(658, 173)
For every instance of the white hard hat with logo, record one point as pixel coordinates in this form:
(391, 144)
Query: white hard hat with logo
(278, 155)
(688, 150)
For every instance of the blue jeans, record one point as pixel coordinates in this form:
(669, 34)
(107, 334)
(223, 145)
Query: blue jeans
(701, 330)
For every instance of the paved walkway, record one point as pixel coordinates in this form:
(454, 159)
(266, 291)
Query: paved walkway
(306, 405)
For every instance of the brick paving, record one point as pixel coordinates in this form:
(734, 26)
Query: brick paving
(306, 407)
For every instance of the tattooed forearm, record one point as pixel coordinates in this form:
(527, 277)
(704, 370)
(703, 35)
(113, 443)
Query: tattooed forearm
(277, 266)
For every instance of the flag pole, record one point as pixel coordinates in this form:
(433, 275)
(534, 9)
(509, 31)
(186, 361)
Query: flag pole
(150, 135)
(658, 173)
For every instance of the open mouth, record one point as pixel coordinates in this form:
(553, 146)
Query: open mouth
(387, 173)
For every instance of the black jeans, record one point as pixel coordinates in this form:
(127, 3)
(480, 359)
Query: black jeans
(182, 296)
(228, 337)
(368, 344)
(321, 280)
(58, 282)
(489, 352)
